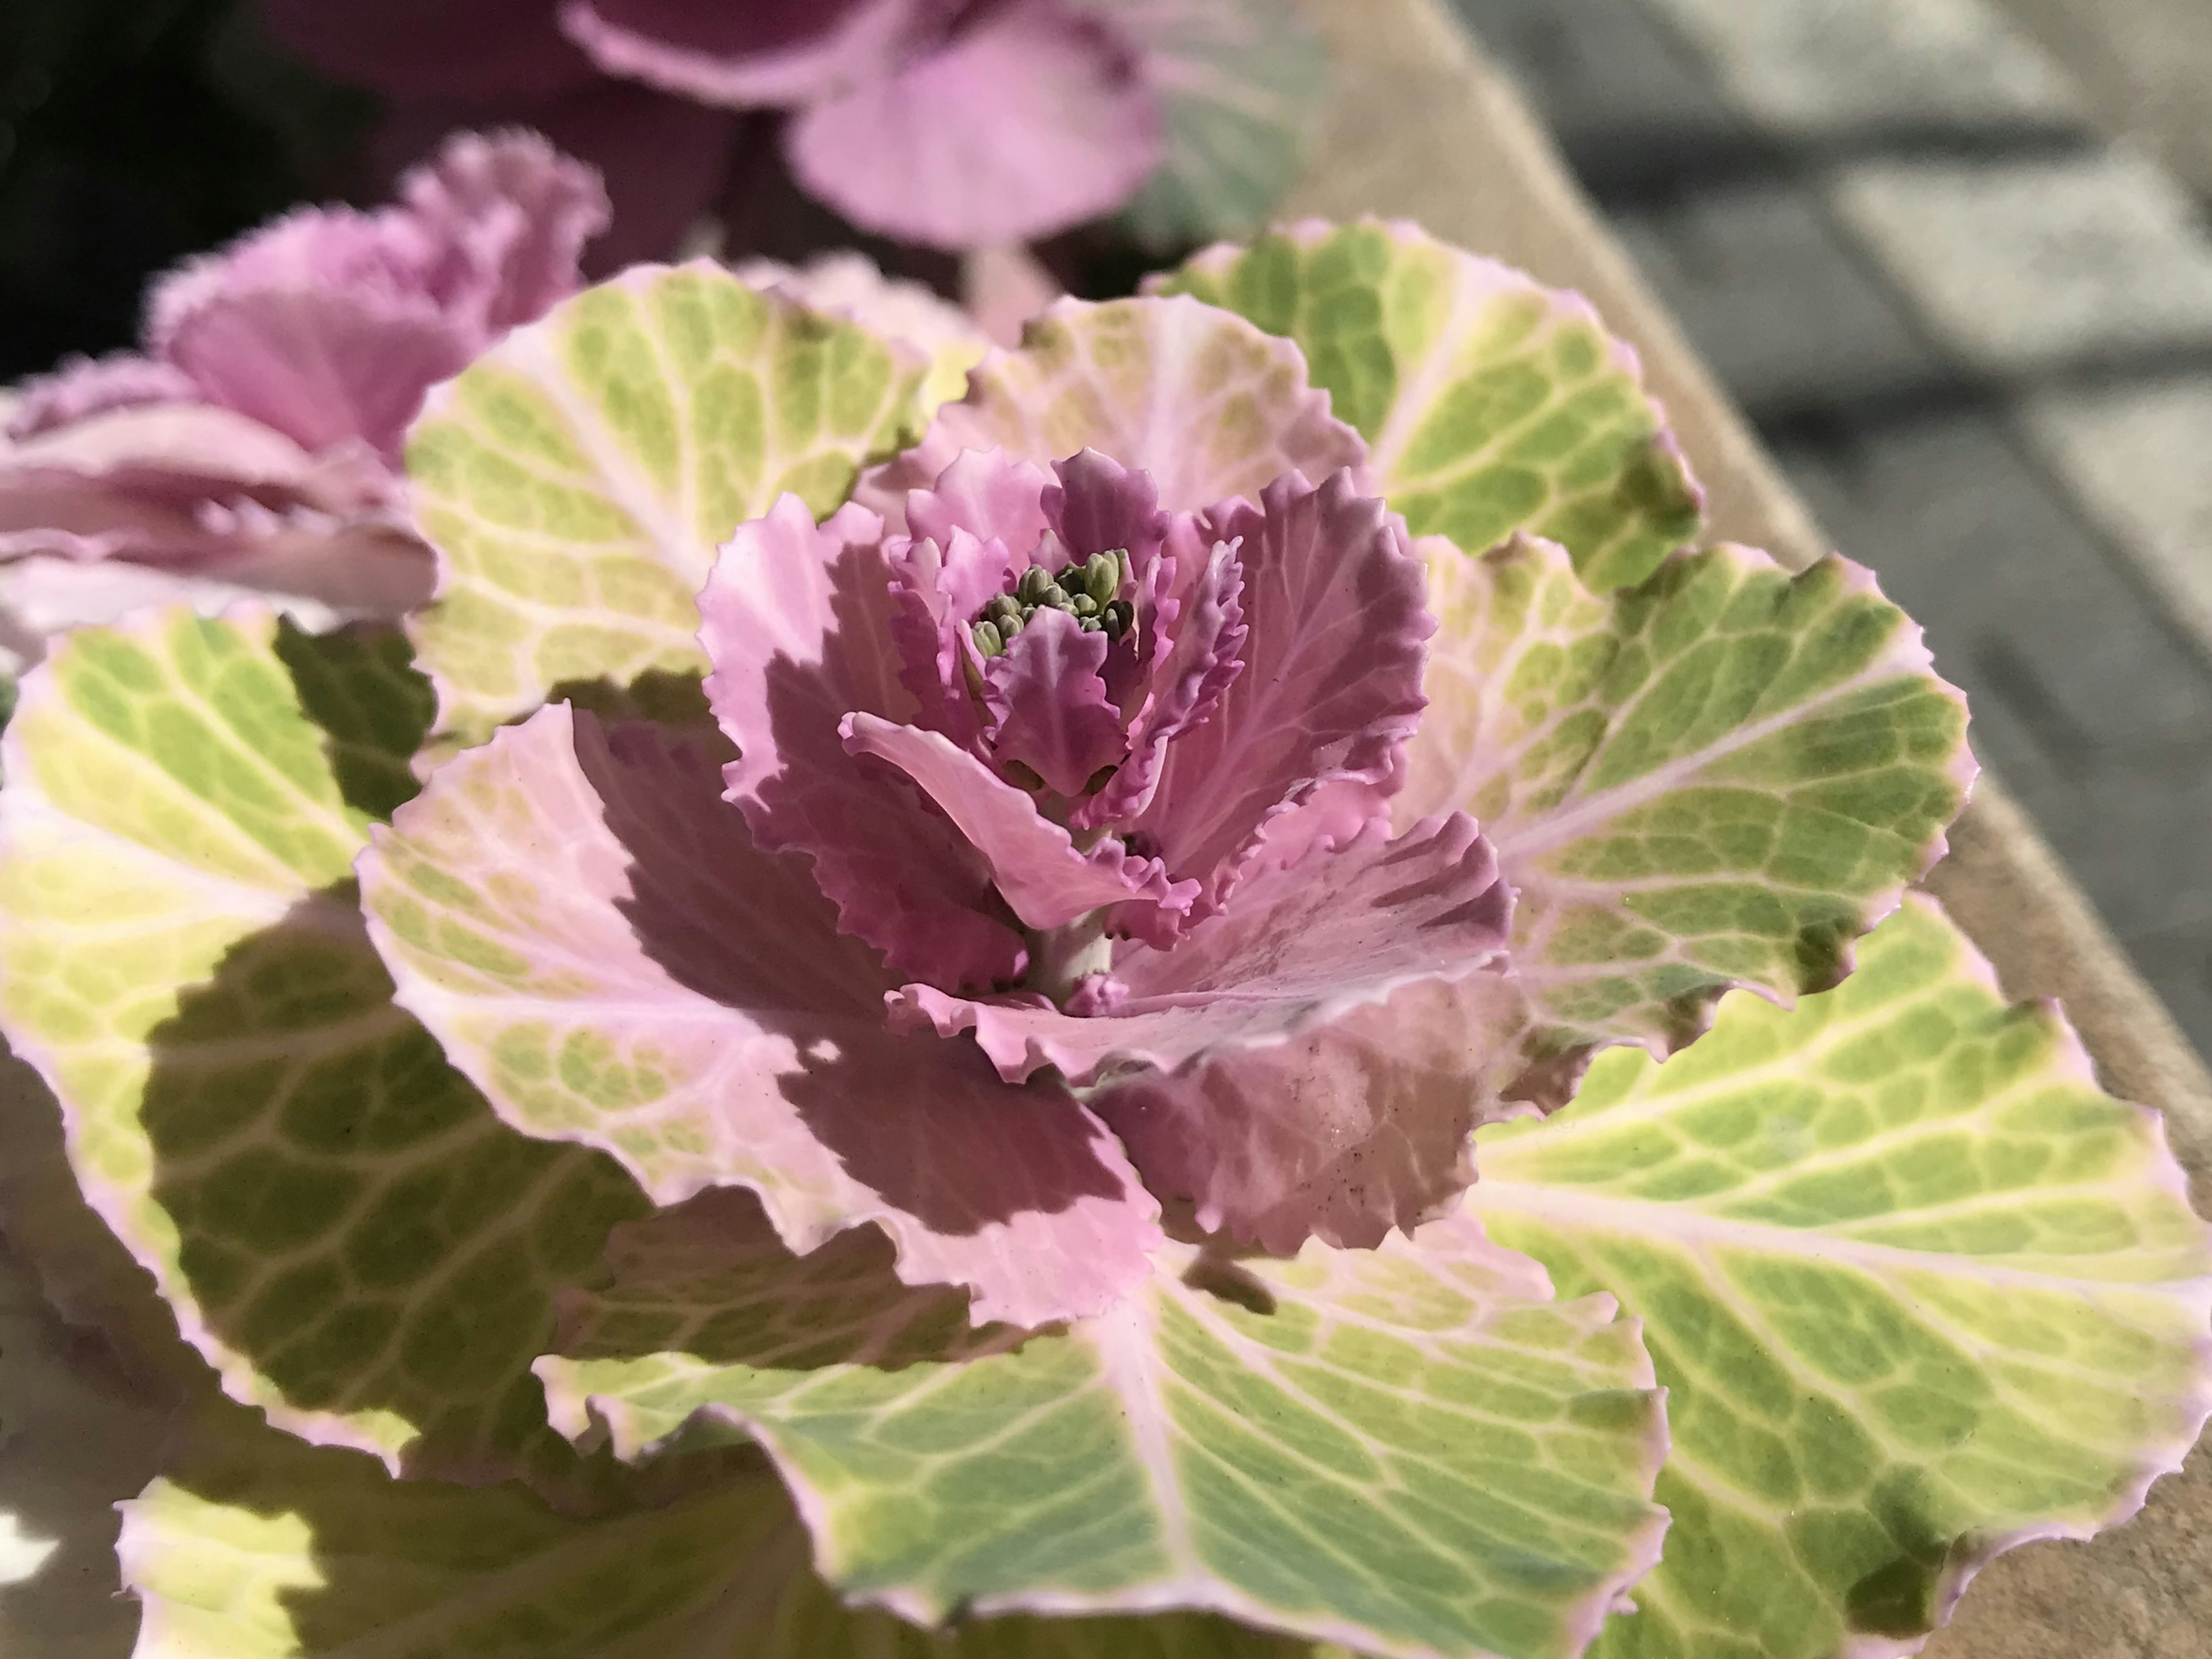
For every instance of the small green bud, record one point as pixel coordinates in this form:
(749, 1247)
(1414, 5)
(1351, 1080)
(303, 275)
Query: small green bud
(1010, 623)
(989, 639)
(1084, 605)
(1036, 581)
(1119, 618)
(1102, 576)
(1056, 598)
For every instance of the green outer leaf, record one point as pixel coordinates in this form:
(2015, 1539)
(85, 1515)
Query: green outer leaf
(1917, 1290)
(257, 1546)
(576, 479)
(1411, 1450)
(1493, 404)
(1240, 84)
(340, 1226)
(1721, 777)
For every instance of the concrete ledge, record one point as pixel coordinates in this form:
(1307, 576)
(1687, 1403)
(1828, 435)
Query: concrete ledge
(1420, 126)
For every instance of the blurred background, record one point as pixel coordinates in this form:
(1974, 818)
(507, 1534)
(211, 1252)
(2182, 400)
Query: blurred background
(1950, 256)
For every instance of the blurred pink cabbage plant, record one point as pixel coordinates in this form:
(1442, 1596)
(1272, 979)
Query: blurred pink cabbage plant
(949, 123)
(252, 445)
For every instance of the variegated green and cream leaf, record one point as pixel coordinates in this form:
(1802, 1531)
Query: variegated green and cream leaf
(1917, 1288)
(1411, 1450)
(576, 480)
(1722, 776)
(338, 1223)
(1201, 401)
(1492, 403)
(253, 1545)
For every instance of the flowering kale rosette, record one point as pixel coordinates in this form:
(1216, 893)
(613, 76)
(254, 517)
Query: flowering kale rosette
(976, 949)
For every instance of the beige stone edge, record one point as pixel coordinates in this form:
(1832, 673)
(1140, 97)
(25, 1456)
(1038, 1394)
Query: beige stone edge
(1421, 126)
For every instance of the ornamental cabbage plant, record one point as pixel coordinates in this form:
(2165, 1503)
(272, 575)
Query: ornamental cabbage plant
(253, 445)
(1221, 996)
(947, 124)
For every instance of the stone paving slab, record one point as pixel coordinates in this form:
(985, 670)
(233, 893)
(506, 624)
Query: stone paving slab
(1780, 309)
(2025, 267)
(2143, 67)
(2139, 459)
(1633, 111)
(1928, 70)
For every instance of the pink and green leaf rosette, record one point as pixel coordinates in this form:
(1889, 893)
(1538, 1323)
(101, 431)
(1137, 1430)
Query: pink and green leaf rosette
(1221, 997)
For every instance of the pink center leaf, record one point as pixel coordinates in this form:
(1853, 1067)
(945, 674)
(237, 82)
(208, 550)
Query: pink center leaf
(1057, 722)
(1106, 785)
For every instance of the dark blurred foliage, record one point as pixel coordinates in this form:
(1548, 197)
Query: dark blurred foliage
(134, 132)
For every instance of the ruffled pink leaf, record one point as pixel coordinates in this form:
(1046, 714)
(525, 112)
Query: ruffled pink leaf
(1345, 1131)
(795, 619)
(1333, 605)
(995, 497)
(319, 577)
(515, 215)
(332, 324)
(1034, 862)
(317, 326)
(215, 502)
(1205, 655)
(1099, 504)
(926, 628)
(972, 534)
(1032, 117)
(756, 52)
(1298, 948)
(84, 386)
(582, 894)
(146, 480)
(1057, 719)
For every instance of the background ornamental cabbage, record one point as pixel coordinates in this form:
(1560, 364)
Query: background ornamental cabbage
(253, 445)
(944, 124)
(1215, 993)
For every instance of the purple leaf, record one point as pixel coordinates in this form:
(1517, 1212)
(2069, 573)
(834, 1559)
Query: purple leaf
(1033, 861)
(1330, 689)
(1058, 720)
(592, 935)
(1030, 118)
(795, 619)
(1298, 948)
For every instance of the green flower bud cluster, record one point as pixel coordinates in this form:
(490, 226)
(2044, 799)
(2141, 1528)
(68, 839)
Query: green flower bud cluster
(1085, 591)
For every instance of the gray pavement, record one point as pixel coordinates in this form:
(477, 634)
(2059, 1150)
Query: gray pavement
(2143, 68)
(1977, 333)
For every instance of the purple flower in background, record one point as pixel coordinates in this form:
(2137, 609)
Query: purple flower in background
(954, 124)
(253, 445)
